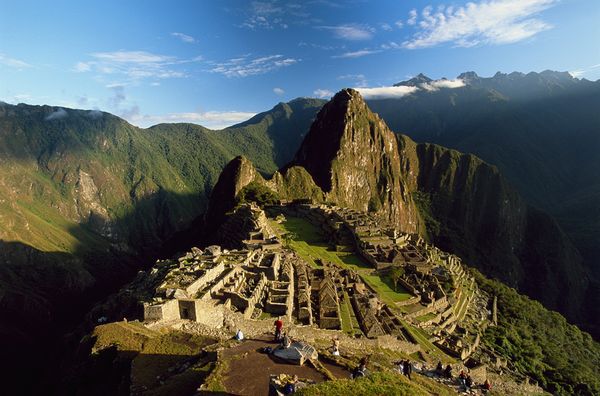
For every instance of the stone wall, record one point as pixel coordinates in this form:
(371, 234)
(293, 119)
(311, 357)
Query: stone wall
(208, 276)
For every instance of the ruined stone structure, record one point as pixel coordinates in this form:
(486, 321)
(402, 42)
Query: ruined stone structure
(261, 279)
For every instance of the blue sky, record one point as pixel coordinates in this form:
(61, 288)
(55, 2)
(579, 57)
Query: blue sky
(217, 63)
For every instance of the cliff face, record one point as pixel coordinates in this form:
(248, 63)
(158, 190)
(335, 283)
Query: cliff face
(353, 157)
(473, 211)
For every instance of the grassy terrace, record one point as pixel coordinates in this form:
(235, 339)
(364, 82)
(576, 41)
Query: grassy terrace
(310, 245)
(426, 317)
(349, 322)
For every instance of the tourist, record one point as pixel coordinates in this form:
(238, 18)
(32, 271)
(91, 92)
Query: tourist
(468, 383)
(487, 386)
(407, 370)
(336, 346)
(439, 369)
(400, 364)
(361, 370)
(291, 386)
(239, 335)
(462, 378)
(286, 341)
(448, 372)
(278, 329)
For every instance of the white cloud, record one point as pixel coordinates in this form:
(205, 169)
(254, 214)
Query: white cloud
(386, 92)
(208, 119)
(386, 26)
(95, 114)
(131, 57)
(278, 91)
(184, 37)
(353, 32)
(135, 65)
(356, 54)
(57, 114)
(12, 62)
(245, 66)
(81, 67)
(270, 15)
(399, 24)
(412, 17)
(582, 72)
(485, 22)
(443, 83)
(404, 90)
(322, 93)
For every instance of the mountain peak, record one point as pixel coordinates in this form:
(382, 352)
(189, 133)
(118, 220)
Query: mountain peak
(413, 82)
(353, 157)
(468, 76)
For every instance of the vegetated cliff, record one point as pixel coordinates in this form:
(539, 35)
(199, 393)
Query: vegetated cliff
(353, 157)
(473, 211)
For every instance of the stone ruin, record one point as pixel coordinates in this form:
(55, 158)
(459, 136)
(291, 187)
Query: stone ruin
(260, 278)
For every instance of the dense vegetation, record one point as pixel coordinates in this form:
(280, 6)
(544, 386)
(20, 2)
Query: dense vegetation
(541, 344)
(257, 193)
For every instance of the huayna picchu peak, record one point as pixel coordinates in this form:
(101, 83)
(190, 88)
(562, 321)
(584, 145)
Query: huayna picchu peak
(353, 157)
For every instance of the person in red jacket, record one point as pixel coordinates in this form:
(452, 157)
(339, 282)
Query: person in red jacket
(278, 328)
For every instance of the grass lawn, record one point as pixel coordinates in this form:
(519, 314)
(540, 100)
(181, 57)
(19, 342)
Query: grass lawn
(310, 245)
(378, 383)
(349, 322)
(426, 317)
(386, 293)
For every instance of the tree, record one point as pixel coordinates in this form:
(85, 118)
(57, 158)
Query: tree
(395, 274)
(288, 237)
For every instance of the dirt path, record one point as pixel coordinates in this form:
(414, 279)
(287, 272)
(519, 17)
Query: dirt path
(249, 370)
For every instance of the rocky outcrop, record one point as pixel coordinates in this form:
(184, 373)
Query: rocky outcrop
(236, 175)
(353, 157)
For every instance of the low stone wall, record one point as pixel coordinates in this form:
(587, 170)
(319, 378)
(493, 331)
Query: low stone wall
(220, 284)
(432, 307)
(169, 310)
(210, 275)
(310, 334)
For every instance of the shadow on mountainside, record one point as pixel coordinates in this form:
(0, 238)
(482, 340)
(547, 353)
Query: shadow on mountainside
(45, 295)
